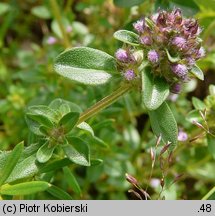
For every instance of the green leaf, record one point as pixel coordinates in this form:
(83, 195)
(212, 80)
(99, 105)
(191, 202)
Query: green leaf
(194, 115)
(198, 104)
(77, 151)
(40, 119)
(85, 65)
(45, 152)
(128, 37)
(127, 3)
(11, 162)
(96, 162)
(54, 165)
(64, 106)
(196, 71)
(59, 193)
(171, 58)
(155, 90)
(211, 145)
(71, 180)
(24, 188)
(44, 111)
(86, 127)
(163, 123)
(45, 130)
(68, 121)
(41, 12)
(24, 169)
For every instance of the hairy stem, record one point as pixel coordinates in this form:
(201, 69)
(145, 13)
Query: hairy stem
(57, 15)
(105, 102)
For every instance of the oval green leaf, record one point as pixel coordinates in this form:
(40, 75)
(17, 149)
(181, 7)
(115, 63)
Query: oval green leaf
(77, 151)
(59, 193)
(68, 121)
(24, 188)
(40, 119)
(194, 115)
(198, 104)
(155, 90)
(196, 71)
(163, 123)
(24, 169)
(85, 65)
(10, 162)
(71, 180)
(128, 37)
(45, 152)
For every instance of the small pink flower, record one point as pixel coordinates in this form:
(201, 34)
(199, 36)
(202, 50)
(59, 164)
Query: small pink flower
(122, 55)
(180, 70)
(179, 42)
(201, 53)
(176, 88)
(139, 26)
(51, 40)
(153, 56)
(129, 74)
(146, 40)
(182, 136)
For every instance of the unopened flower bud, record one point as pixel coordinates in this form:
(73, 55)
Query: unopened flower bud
(131, 179)
(201, 53)
(129, 74)
(182, 136)
(175, 88)
(139, 26)
(179, 70)
(146, 40)
(179, 42)
(153, 56)
(122, 55)
(51, 40)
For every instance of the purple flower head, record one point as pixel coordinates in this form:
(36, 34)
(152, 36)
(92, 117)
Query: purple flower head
(175, 88)
(51, 40)
(179, 70)
(139, 26)
(179, 42)
(191, 27)
(182, 136)
(129, 74)
(146, 40)
(153, 56)
(122, 55)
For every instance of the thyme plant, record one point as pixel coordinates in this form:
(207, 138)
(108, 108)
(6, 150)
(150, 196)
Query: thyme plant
(155, 59)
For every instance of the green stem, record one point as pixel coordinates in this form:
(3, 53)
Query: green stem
(209, 194)
(57, 15)
(105, 102)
